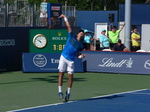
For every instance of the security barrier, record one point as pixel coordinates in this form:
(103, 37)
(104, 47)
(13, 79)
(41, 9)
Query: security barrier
(117, 62)
(45, 62)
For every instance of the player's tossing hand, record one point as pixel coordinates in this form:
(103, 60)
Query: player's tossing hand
(81, 56)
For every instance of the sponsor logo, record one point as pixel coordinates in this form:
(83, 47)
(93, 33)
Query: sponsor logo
(40, 60)
(109, 62)
(54, 60)
(147, 64)
(7, 42)
(59, 38)
(59, 33)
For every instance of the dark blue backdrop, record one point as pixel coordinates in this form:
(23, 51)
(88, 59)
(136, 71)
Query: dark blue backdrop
(140, 13)
(87, 19)
(13, 42)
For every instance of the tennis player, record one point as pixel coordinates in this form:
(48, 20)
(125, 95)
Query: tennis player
(73, 49)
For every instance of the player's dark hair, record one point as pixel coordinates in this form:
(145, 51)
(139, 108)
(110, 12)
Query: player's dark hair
(80, 31)
(82, 38)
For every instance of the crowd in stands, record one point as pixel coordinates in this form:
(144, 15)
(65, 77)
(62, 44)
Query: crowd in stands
(111, 41)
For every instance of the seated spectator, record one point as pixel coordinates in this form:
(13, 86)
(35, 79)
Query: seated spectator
(119, 46)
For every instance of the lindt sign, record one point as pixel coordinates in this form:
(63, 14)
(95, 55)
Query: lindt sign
(109, 62)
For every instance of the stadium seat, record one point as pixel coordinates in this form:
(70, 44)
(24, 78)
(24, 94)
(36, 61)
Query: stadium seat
(140, 51)
(106, 50)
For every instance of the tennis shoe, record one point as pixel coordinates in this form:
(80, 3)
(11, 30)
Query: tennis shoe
(60, 94)
(67, 97)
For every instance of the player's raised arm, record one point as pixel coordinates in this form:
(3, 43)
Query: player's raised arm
(66, 22)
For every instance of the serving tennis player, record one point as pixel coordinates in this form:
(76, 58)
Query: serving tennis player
(73, 48)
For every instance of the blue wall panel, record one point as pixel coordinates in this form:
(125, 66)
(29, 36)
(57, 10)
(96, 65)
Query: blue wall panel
(140, 13)
(87, 19)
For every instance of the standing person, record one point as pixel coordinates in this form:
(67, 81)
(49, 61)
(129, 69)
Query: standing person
(73, 46)
(104, 40)
(43, 14)
(132, 29)
(87, 40)
(114, 35)
(135, 39)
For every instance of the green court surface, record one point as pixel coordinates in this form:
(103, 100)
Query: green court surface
(23, 90)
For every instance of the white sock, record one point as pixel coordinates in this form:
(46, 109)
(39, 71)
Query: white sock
(59, 88)
(69, 90)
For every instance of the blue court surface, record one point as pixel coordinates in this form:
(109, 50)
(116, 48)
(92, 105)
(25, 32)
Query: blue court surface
(132, 101)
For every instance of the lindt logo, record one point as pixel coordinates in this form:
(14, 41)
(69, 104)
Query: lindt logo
(109, 62)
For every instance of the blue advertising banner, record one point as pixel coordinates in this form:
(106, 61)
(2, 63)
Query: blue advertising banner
(117, 62)
(45, 62)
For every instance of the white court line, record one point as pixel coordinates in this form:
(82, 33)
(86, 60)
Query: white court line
(142, 93)
(120, 93)
(75, 101)
(39, 106)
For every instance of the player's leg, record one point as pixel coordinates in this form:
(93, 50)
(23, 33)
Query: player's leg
(70, 81)
(70, 69)
(61, 67)
(60, 83)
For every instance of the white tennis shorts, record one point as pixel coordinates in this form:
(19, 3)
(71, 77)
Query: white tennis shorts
(66, 64)
(43, 16)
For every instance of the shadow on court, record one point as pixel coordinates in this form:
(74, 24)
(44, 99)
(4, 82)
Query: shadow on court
(49, 79)
(113, 97)
(54, 79)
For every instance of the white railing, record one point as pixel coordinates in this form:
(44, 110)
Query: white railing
(24, 14)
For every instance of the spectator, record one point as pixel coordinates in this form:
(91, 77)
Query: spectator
(114, 35)
(135, 40)
(132, 28)
(43, 14)
(97, 43)
(104, 40)
(119, 46)
(87, 40)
